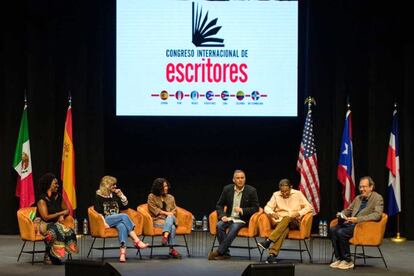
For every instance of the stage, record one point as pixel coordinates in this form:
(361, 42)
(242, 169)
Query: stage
(399, 258)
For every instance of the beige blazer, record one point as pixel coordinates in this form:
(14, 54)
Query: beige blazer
(155, 207)
(373, 210)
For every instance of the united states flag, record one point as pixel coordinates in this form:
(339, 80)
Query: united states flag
(307, 165)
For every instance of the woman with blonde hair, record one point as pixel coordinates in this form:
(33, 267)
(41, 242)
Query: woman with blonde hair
(109, 201)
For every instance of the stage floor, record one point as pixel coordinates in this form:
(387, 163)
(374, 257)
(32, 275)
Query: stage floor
(399, 258)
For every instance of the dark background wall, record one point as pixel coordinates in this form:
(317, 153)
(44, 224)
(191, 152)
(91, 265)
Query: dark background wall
(360, 49)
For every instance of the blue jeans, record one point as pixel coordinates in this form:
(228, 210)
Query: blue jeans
(340, 236)
(226, 238)
(123, 224)
(169, 226)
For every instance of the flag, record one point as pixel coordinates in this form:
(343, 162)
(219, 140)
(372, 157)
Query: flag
(67, 172)
(393, 164)
(307, 165)
(22, 163)
(345, 171)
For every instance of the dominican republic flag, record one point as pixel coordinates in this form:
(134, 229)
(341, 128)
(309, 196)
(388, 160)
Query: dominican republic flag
(393, 164)
(22, 163)
(345, 172)
(307, 165)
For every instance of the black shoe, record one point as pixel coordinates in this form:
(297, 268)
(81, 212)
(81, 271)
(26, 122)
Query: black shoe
(271, 259)
(227, 255)
(265, 244)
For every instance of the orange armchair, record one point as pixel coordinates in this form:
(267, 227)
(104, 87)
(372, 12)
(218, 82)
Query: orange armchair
(27, 230)
(302, 234)
(251, 231)
(367, 233)
(184, 224)
(98, 229)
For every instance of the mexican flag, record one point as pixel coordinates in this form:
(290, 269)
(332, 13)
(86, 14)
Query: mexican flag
(22, 163)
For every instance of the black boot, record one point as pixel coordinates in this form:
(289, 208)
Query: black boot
(265, 244)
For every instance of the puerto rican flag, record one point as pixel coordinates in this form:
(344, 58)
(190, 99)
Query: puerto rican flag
(345, 172)
(393, 164)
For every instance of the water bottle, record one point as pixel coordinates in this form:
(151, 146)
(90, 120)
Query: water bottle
(320, 228)
(85, 226)
(205, 227)
(325, 229)
(193, 226)
(75, 226)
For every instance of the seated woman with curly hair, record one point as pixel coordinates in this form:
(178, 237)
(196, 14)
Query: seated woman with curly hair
(49, 221)
(109, 201)
(163, 211)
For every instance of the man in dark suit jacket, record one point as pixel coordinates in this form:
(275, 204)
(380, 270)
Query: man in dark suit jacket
(368, 206)
(241, 202)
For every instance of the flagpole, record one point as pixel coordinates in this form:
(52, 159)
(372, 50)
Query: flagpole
(309, 101)
(70, 106)
(25, 98)
(398, 238)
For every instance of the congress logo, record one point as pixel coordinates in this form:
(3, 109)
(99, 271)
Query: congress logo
(164, 95)
(204, 30)
(255, 95)
(179, 95)
(194, 95)
(240, 95)
(210, 95)
(225, 95)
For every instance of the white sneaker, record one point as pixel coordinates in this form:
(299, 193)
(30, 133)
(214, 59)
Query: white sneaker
(335, 264)
(346, 265)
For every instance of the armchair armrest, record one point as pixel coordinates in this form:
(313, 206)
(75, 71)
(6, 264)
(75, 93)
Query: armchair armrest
(212, 221)
(333, 223)
(253, 223)
(136, 218)
(96, 223)
(26, 227)
(306, 226)
(264, 225)
(69, 222)
(185, 219)
(148, 226)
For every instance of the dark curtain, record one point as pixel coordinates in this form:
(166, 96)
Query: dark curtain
(357, 49)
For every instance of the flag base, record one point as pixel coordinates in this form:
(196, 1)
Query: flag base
(398, 239)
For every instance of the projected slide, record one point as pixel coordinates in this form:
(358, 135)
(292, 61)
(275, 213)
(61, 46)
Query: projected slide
(206, 58)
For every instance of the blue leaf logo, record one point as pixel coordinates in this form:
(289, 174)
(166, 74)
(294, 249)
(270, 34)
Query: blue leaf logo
(204, 31)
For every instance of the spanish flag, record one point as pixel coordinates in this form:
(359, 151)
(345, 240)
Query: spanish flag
(67, 173)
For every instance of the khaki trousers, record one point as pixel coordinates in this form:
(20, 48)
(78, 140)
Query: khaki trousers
(280, 233)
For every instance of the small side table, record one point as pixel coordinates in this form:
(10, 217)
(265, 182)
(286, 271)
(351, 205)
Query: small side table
(198, 243)
(324, 249)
